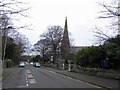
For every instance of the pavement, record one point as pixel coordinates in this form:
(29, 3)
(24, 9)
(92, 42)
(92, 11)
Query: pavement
(8, 71)
(95, 80)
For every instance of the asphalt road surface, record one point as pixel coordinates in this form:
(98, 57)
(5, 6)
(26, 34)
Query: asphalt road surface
(32, 77)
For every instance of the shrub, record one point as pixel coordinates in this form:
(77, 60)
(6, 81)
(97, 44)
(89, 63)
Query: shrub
(9, 63)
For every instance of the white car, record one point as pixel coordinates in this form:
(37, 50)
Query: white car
(22, 64)
(31, 63)
(36, 64)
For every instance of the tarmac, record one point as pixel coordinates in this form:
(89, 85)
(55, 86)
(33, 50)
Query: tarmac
(107, 83)
(95, 80)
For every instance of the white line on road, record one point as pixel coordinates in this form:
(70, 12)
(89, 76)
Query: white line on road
(51, 71)
(28, 71)
(26, 78)
(73, 79)
(32, 81)
(29, 76)
(47, 70)
(80, 81)
(22, 86)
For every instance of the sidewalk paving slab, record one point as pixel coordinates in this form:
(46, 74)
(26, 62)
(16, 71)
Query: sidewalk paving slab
(9, 71)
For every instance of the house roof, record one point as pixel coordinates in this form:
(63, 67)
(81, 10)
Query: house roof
(75, 49)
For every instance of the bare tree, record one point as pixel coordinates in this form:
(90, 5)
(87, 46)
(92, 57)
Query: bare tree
(101, 36)
(50, 43)
(14, 10)
(51, 40)
(9, 10)
(11, 7)
(20, 40)
(42, 47)
(54, 37)
(111, 11)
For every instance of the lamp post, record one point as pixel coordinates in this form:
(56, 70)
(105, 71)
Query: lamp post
(5, 33)
(69, 65)
(0, 48)
(63, 65)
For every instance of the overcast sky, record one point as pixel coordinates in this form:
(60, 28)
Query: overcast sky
(81, 14)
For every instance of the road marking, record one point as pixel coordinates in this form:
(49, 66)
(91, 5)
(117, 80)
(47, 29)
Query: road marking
(51, 71)
(73, 79)
(80, 81)
(27, 82)
(21, 68)
(46, 70)
(29, 76)
(28, 72)
(26, 78)
(32, 81)
(93, 85)
(22, 86)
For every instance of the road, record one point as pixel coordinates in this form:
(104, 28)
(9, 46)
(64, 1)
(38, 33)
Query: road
(32, 77)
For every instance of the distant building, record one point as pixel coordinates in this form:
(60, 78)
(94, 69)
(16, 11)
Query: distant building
(26, 57)
(75, 49)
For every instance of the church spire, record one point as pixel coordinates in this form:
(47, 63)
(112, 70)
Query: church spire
(65, 44)
(66, 24)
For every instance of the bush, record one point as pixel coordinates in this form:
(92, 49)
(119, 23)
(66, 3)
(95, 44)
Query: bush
(106, 56)
(90, 56)
(9, 63)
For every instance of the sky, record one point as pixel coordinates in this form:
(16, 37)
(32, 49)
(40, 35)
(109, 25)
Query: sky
(82, 17)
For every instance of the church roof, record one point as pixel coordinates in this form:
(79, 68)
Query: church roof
(75, 49)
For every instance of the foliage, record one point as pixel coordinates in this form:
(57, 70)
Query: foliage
(112, 47)
(92, 56)
(12, 51)
(37, 58)
(9, 63)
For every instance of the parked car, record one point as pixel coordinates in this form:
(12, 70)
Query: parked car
(31, 63)
(26, 63)
(36, 64)
(22, 64)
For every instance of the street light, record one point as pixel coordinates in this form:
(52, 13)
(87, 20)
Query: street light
(69, 65)
(5, 32)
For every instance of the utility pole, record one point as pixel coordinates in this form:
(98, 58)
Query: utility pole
(1, 58)
(119, 17)
(5, 35)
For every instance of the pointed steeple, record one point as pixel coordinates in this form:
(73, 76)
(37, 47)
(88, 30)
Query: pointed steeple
(66, 27)
(65, 34)
(65, 44)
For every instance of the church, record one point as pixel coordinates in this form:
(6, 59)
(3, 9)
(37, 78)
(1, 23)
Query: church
(67, 50)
